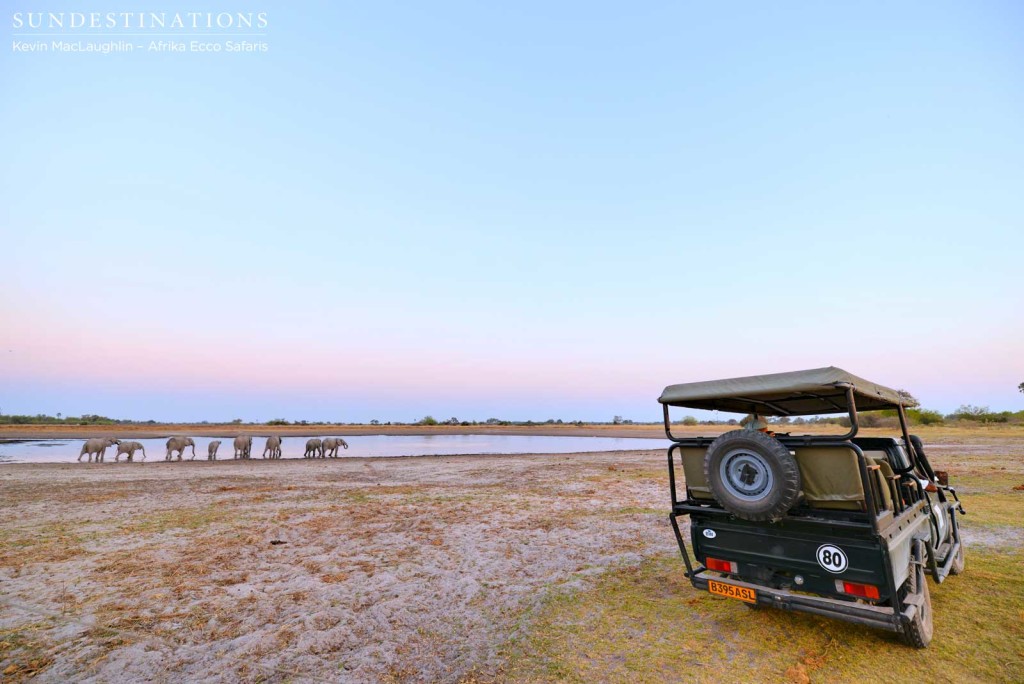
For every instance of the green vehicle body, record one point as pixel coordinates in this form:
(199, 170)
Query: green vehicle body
(872, 521)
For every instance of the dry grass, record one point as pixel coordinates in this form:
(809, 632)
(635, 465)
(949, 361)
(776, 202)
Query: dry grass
(474, 569)
(46, 543)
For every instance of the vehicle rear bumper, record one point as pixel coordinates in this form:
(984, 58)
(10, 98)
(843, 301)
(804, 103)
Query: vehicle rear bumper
(881, 617)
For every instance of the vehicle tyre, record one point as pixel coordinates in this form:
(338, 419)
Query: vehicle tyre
(918, 632)
(752, 475)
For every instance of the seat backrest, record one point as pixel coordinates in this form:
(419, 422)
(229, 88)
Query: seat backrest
(875, 455)
(831, 477)
(883, 474)
(693, 471)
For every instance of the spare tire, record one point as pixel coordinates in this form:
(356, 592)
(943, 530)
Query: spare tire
(752, 475)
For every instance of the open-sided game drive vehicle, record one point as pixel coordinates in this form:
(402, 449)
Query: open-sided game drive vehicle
(834, 525)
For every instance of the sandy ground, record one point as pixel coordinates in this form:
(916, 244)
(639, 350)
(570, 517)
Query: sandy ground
(359, 570)
(355, 570)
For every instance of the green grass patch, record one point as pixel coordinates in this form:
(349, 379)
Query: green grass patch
(647, 623)
(991, 500)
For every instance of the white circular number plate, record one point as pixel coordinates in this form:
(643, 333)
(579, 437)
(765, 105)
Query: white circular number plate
(832, 558)
(710, 534)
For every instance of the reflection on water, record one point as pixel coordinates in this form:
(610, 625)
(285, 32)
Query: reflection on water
(64, 451)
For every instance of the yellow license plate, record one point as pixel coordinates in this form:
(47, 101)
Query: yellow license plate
(730, 591)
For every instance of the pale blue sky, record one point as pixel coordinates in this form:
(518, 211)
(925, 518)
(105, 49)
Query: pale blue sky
(525, 211)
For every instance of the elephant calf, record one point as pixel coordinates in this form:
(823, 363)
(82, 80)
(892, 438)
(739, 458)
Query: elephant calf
(211, 451)
(330, 447)
(129, 448)
(313, 447)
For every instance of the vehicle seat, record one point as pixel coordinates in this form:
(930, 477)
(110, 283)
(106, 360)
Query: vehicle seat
(882, 475)
(831, 478)
(693, 471)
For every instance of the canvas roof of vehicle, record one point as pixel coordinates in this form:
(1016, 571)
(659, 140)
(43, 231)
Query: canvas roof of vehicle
(796, 393)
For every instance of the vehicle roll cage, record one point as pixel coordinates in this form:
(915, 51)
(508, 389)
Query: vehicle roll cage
(916, 456)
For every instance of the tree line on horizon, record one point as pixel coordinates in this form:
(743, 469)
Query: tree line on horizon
(965, 413)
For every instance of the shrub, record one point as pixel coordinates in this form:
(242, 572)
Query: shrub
(428, 420)
(924, 417)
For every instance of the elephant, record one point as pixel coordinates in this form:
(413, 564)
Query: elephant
(273, 446)
(313, 447)
(129, 448)
(178, 444)
(243, 446)
(330, 447)
(97, 446)
(211, 451)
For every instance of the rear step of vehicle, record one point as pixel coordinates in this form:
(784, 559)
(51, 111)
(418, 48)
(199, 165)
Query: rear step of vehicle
(882, 617)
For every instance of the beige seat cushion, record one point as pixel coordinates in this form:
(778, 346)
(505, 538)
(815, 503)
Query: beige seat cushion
(831, 478)
(883, 474)
(693, 471)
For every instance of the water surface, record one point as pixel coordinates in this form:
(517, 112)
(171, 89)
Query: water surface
(66, 451)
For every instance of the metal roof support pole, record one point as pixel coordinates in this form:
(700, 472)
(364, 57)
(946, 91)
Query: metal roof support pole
(906, 430)
(668, 429)
(852, 405)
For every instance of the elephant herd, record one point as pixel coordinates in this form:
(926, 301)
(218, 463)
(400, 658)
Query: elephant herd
(315, 448)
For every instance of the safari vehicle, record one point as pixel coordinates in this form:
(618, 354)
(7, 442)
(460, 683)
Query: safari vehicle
(841, 526)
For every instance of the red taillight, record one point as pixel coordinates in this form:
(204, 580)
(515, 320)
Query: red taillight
(868, 591)
(720, 565)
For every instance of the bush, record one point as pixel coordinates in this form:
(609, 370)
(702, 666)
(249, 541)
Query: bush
(689, 420)
(876, 419)
(981, 414)
(278, 421)
(428, 420)
(924, 417)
